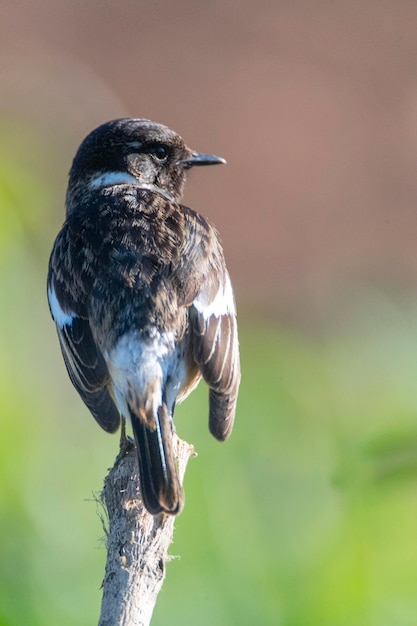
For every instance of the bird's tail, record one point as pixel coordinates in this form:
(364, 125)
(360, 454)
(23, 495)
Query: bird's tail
(158, 471)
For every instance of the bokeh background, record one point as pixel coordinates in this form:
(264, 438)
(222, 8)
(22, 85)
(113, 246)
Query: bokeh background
(308, 515)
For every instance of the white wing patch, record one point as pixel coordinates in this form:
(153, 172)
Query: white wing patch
(61, 318)
(223, 302)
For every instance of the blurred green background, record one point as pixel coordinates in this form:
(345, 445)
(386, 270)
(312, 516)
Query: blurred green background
(308, 514)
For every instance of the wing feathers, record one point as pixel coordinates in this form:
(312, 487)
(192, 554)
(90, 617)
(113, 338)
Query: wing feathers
(222, 413)
(85, 363)
(83, 356)
(216, 351)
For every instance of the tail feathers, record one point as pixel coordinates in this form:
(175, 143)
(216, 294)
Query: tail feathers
(158, 471)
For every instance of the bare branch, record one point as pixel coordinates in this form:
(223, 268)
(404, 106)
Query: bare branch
(137, 542)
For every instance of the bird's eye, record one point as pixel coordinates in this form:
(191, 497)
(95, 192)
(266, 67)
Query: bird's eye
(160, 152)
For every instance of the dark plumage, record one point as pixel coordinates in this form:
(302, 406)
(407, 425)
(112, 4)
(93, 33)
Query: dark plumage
(141, 297)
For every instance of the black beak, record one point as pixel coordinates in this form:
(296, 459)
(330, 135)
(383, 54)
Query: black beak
(199, 158)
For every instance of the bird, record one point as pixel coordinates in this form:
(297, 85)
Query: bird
(141, 297)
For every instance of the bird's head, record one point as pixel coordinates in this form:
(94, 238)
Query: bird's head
(134, 151)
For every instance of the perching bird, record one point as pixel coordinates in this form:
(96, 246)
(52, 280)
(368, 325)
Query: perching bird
(141, 297)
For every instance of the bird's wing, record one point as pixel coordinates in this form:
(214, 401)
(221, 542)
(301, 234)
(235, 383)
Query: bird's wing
(216, 349)
(85, 363)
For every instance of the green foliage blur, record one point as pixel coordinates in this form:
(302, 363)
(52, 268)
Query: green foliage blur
(306, 516)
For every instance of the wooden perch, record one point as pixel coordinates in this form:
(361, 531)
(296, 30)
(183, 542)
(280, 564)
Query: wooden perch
(137, 542)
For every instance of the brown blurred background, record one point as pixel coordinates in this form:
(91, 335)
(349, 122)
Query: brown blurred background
(313, 104)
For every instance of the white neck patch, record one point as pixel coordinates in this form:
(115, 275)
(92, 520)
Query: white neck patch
(113, 178)
(124, 178)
